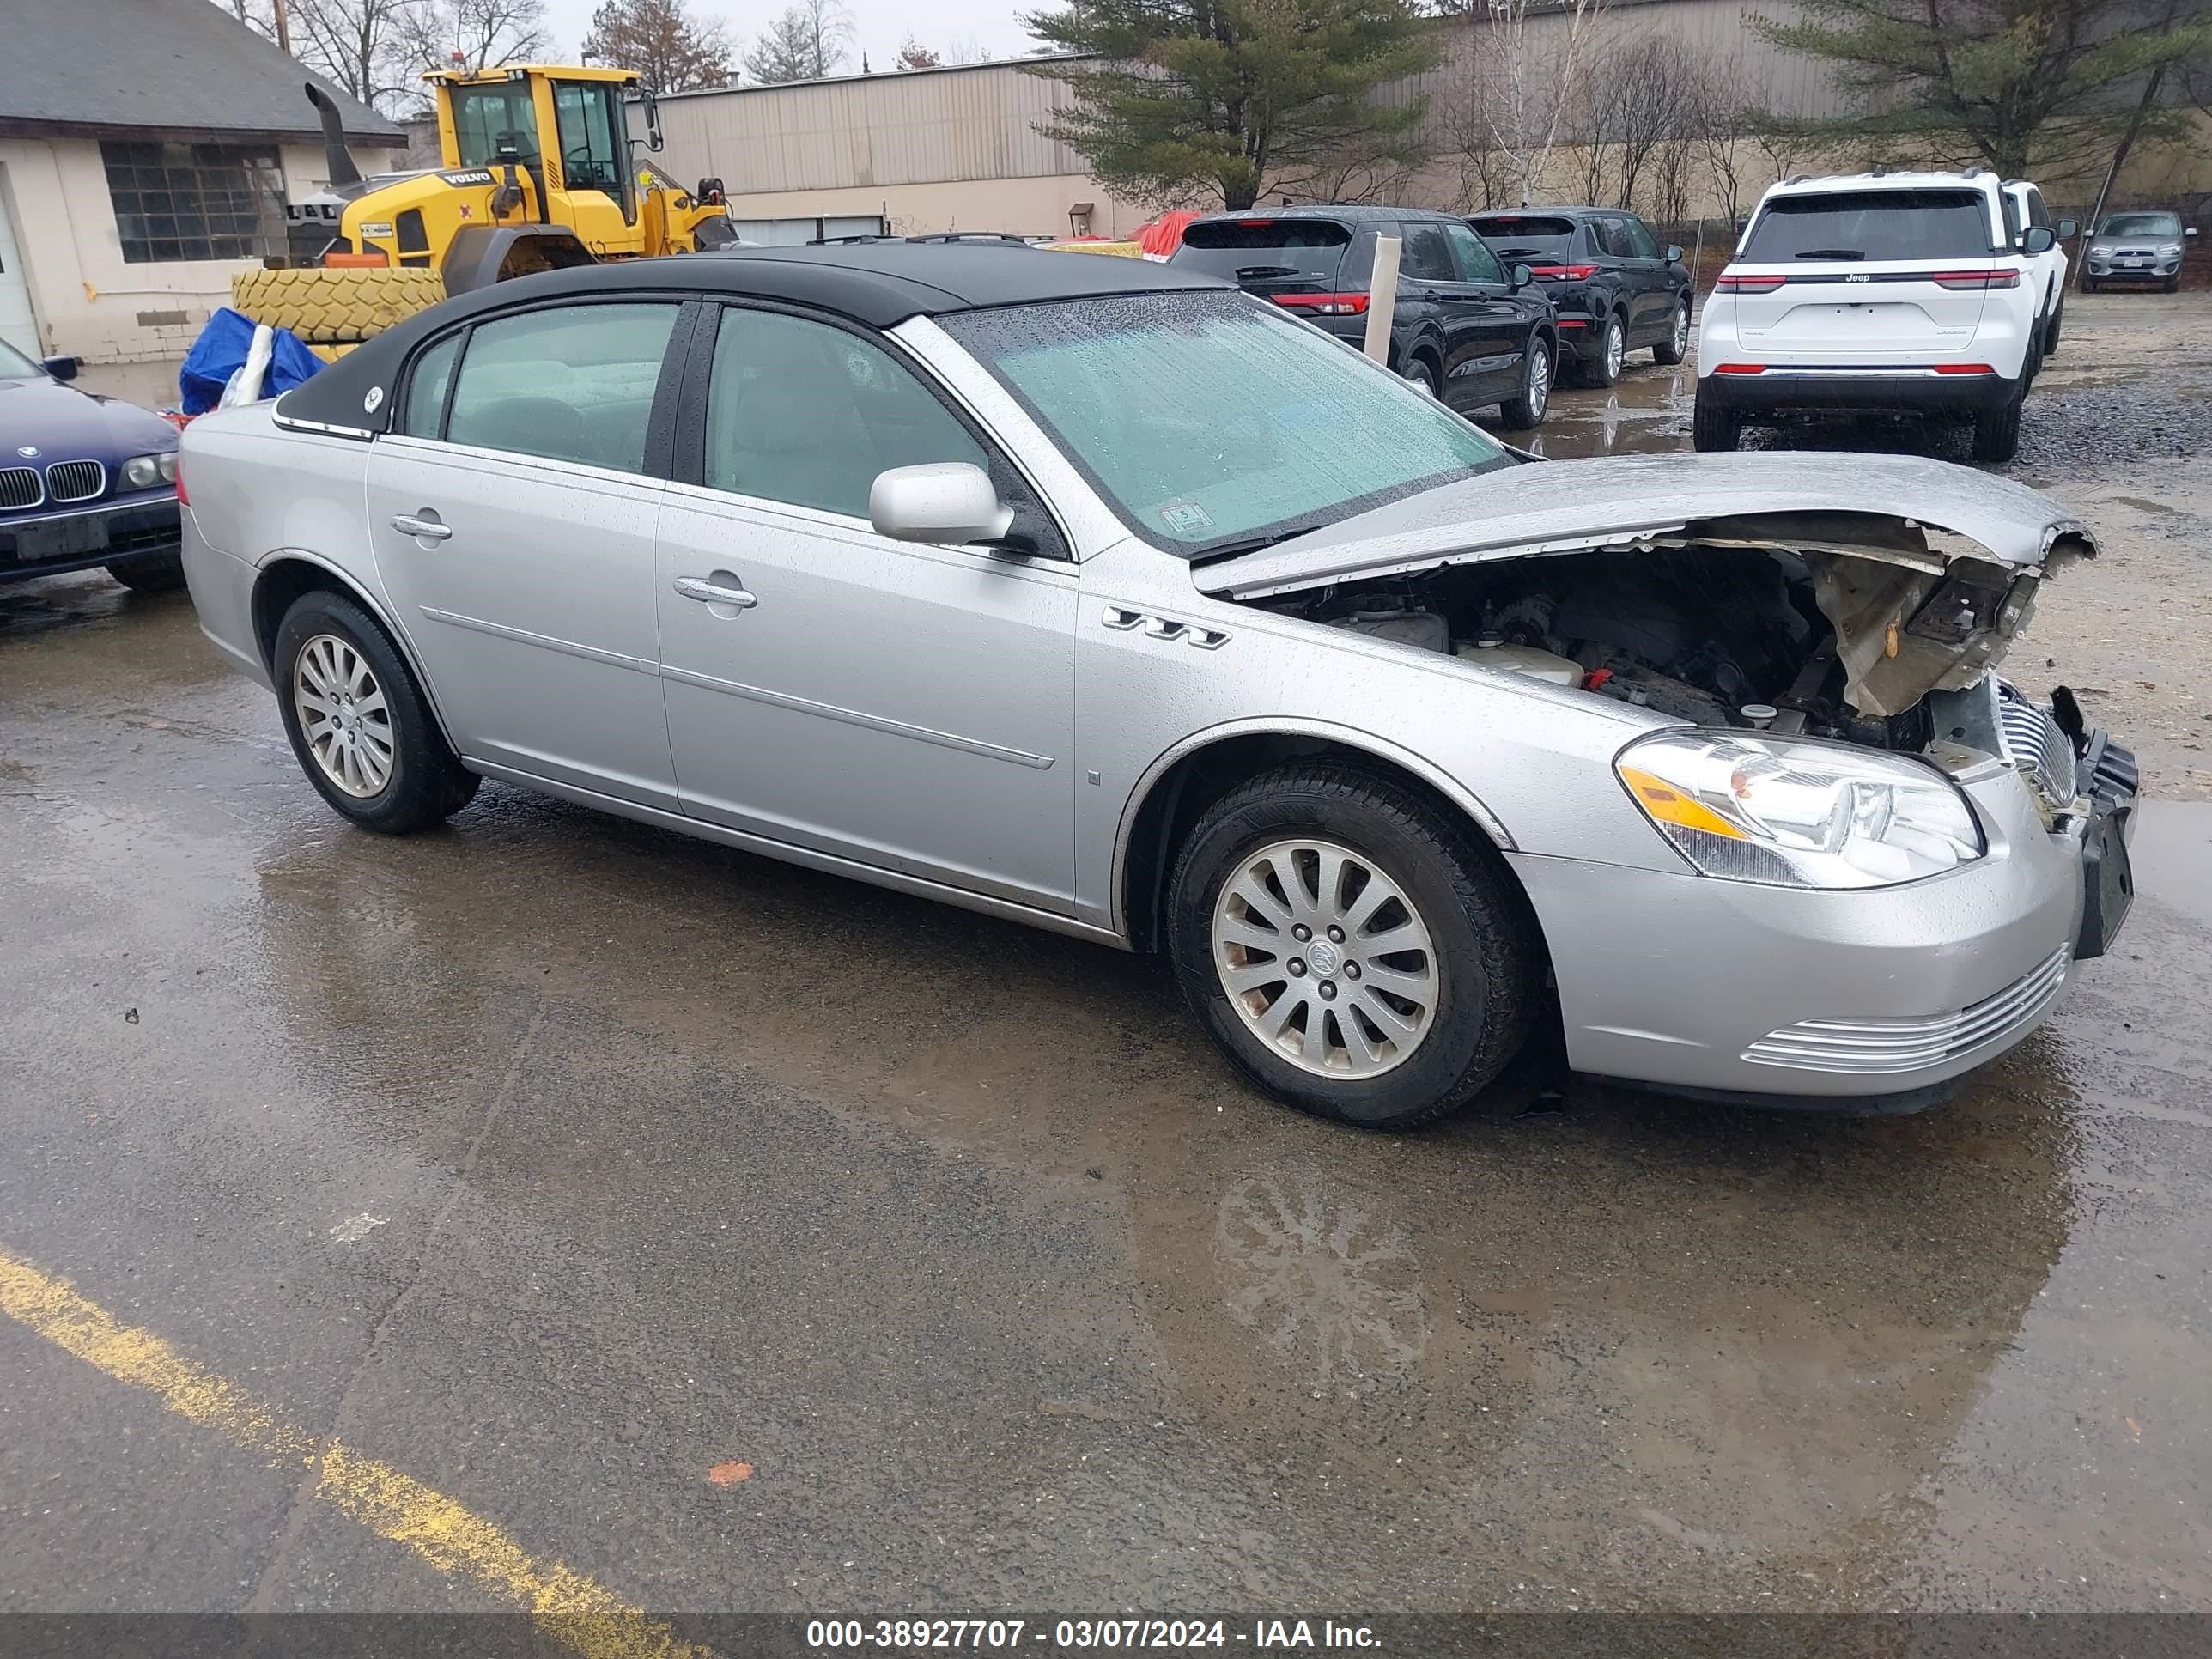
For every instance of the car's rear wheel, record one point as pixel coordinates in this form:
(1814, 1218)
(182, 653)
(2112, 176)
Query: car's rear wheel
(1351, 951)
(1529, 408)
(1997, 431)
(359, 722)
(1602, 366)
(1712, 426)
(1418, 370)
(163, 573)
(1676, 346)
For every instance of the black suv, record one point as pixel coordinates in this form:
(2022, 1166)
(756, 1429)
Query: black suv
(1469, 329)
(1615, 287)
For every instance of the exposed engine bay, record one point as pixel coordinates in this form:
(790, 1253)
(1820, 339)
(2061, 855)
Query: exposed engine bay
(1812, 643)
(1721, 635)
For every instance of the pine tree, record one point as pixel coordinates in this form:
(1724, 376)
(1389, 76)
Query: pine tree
(1181, 100)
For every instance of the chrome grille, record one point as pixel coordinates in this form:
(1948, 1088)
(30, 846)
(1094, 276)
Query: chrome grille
(76, 481)
(2030, 737)
(1880, 1045)
(20, 487)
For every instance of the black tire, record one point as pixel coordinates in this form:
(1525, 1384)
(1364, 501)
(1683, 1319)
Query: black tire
(1667, 353)
(428, 784)
(1488, 961)
(1420, 372)
(2173, 283)
(2051, 330)
(163, 574)
(1997, 431)
(1529, 409)
(1597, 369)
(2088, 285)
(1713, 428)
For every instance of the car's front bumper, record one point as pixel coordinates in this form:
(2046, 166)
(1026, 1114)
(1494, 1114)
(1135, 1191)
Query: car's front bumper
(1842, 998)
(1780, 390)
(48, 544)
(2154, 270)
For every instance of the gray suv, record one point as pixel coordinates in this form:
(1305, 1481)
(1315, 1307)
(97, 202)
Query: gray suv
(1102, 597)
(2135, 248)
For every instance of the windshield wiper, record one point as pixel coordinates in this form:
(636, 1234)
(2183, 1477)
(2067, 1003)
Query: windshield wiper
(1254, 273)
(1833, 253)
(1249, 543)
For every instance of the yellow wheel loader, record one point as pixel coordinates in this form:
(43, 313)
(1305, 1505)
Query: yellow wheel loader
(539, 173)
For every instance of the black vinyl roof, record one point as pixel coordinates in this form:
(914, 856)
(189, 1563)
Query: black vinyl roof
(879, 284)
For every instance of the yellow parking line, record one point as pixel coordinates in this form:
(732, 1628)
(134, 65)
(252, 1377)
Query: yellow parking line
(565, 1604)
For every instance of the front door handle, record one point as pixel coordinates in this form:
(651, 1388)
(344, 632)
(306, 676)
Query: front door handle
(427, 527)
(711, 592)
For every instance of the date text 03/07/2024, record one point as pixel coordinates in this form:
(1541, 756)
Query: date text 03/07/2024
(1284, 1635)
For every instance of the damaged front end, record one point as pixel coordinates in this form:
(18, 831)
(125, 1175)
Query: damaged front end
(1851, 599)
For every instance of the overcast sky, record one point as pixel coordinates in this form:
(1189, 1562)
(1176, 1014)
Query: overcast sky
(984, 27)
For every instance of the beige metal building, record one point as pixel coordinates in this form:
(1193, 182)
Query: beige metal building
(956, 148)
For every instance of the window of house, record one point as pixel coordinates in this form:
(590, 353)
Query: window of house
(178, 201)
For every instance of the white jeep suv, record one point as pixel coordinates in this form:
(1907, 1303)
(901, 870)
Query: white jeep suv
(1876, 291)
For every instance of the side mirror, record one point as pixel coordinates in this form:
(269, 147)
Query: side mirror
(2037, 239)
(1520, 276)
(950, 503)
(2190, 233)
(653, 138)
(2068, 230)
(1673, 254)
(63, 368)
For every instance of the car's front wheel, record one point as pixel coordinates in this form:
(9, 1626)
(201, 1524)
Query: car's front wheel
(359, 722)
(1676, 346)
(1352, 951)
(2056, 327)
(1529, 409)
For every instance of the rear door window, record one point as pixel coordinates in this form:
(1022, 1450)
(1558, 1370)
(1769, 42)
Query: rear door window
(1532, 237)
(1427, 254)
(570, 383)
(1871, 225)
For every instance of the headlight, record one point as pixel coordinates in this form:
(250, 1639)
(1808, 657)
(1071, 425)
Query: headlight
(144, 471)
(1794, 814)
(2169, 247)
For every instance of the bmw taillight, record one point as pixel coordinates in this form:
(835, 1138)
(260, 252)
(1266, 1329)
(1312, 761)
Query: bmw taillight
(1327, 304)
(1975, 279)
(1729, 284)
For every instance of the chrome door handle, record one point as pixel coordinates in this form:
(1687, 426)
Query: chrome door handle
(428, 529)
(707, 592)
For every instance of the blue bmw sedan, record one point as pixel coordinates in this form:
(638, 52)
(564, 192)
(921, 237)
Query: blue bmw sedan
(84, 480)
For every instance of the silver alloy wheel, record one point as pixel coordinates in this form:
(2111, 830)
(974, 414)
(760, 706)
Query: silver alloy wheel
(1539, 382)
(343, 715)
(1616, 348)
(1325, 959)
(1681, 330)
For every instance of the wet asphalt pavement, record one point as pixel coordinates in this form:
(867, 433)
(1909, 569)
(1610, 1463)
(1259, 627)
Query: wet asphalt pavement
(557, 1162)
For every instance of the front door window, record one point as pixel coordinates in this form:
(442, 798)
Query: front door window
(588, 117)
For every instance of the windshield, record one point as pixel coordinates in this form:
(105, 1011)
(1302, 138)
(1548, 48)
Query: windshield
(1211, 421)
(14, 365)
(2141, 224)
(1872, 225)
(482, 116)
(1312, 254)
(1521, 236)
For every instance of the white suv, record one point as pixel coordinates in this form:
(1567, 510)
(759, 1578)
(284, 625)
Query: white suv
(2049, 283)
(1879, 291)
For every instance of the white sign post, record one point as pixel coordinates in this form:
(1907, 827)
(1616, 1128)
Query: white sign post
(1382, 299)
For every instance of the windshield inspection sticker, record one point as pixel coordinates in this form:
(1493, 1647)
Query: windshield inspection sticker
(1184, 517)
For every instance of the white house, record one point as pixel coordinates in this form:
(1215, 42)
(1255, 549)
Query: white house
(147, 149)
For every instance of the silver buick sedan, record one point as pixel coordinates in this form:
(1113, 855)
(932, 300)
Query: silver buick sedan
(1105, 597)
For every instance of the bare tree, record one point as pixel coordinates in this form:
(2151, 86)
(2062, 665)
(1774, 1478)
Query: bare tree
(1520, 75)
(1649, 104)
(360, 46)
(808, 42)
(671, 48)
(474, 34)
(913, 55)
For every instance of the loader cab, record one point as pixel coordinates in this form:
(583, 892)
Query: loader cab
(565, 127)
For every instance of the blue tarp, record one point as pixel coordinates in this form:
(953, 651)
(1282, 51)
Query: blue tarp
(220, 353)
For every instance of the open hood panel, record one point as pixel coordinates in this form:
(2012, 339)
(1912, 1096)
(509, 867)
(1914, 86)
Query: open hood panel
(1926, 570)
(1898, 505)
